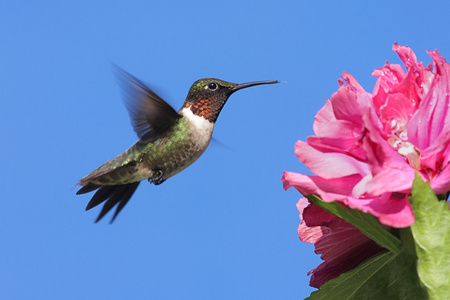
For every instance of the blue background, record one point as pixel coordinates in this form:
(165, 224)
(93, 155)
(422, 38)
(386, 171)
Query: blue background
(222, 229)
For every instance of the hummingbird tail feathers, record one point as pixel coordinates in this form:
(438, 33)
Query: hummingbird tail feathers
(112, 194)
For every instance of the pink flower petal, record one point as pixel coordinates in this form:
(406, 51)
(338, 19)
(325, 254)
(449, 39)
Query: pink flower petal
(432, 117)
(350, 105)
(388, 76)
(396, 111)
(351, 81)
(309, 230)
(406, 55)
(441, 184)
(323, 118)
(357, 248)
(313, 215)
(329, 165)
(391, 180)
(342, 246)
(340, 129)
(437, 155)
(327, 189)
(384, 161)
(392, 209)
(346, 145)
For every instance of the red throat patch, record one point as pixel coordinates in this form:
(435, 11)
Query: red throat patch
(207, 109)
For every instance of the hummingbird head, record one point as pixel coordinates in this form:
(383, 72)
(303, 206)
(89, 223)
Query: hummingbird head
(207, 96)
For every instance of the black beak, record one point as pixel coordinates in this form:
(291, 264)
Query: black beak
(249, 84)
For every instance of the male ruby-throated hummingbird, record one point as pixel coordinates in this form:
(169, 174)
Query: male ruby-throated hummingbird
(169, 141)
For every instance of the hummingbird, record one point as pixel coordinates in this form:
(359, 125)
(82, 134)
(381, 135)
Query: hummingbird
(169, 141)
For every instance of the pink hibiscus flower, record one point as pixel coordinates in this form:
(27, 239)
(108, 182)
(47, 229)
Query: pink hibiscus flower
(341, 245)
(367, 147)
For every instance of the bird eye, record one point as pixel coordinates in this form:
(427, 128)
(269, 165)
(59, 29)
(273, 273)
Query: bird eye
(213, 86)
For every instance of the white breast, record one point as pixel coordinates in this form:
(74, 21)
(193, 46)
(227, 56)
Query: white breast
(204, 128)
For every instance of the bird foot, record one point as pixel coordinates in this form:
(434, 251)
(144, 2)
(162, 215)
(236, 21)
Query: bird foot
(157, 179)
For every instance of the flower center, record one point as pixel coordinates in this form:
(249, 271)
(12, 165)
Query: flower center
(398, 139)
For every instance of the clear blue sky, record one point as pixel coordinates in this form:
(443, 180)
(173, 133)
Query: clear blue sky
(222, 229)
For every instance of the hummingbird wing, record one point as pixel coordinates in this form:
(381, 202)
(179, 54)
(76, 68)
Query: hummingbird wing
(150, 115)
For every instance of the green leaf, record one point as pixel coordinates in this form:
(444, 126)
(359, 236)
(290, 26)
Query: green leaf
(366, 223)
(386, 275)
(431, 232)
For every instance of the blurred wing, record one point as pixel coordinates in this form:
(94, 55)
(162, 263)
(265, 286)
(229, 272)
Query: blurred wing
(150, 115)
